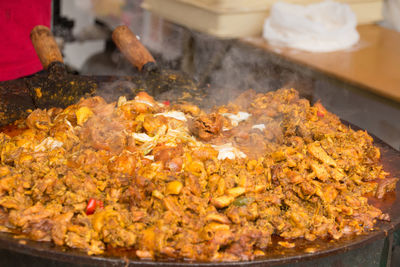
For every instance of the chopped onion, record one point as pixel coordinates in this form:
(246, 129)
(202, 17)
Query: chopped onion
(260, 127)
(149, 157)
(48, 144)
(144, 102)
(236, 118)
(142, 137)
(69, 125)
(227, 151)
(178, 115)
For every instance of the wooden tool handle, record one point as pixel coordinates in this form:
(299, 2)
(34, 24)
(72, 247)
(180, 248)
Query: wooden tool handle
(131, 47)
(45, 46)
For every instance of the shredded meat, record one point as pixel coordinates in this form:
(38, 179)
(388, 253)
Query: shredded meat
(386, 185)
(206, 127)
(131, 174)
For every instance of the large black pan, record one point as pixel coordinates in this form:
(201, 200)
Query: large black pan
(16, 98)
(304, 251)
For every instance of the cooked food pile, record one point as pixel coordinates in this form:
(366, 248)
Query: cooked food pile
(175, 181)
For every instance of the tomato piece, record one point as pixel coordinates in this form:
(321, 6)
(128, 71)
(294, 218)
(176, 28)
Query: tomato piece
(321, 111)
(91, 206)
(166, 102)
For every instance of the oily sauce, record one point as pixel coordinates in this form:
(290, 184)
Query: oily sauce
(12, 130)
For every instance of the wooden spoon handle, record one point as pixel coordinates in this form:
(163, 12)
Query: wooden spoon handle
(131, 47)
(45, 46)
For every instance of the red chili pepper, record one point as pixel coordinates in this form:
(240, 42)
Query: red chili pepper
(320, 114)
(166, 102)
(91, 206)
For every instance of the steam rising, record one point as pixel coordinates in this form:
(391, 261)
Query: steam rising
(112, 90)
(236, 67)
(223, 68)
(226, 69)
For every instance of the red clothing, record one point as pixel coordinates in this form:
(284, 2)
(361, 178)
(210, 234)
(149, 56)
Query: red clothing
(17, 19)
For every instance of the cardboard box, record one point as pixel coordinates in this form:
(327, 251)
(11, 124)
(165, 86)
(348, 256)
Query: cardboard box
(240, 18)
